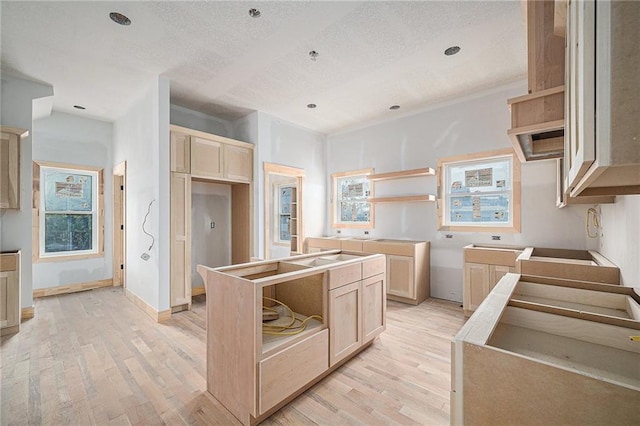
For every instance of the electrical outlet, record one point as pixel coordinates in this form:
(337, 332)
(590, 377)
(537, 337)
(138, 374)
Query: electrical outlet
(145, 256)
(366, 232)
(213, 224)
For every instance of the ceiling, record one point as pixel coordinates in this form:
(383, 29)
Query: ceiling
(223, 62)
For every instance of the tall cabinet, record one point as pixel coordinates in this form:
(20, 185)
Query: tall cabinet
(10, 167)
(602, 147)
(205, 157)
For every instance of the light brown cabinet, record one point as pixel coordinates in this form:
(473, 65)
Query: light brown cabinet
(207, 158)
(10, 167)
(484, 266)
(253, 374)
(9, 293)
(537, 345)
(602, 149)
(407, 264)
(180, 245)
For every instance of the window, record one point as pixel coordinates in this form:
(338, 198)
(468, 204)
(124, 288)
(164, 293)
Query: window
(479, 192)
(351, 192)
(284, 213)
(69, 222)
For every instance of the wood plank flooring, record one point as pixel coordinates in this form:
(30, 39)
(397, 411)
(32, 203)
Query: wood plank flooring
(95, 358)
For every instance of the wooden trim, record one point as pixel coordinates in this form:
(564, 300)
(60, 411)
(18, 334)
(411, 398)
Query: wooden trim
(404, 198)
(197, 291)
(334, 222)
(71, 288)
(538, 127)
(157, 316)
(210, 136)
(21, 133)
(540, 94)
(516, 185)
(27, 313)
(35, 237)
(119, 247)
(427, 171)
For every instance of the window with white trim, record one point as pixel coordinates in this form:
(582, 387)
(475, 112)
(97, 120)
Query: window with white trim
(351, 192)
(479, 192)
(283, 232)
(69, 220)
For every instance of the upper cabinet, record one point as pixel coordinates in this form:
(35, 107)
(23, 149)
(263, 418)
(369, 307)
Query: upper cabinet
(208, 156)
(602, 147)
(537, 118)
(10, 167)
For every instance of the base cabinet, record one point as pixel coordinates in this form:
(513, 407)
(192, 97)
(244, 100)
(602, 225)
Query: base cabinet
(9, 293)
(253, 369)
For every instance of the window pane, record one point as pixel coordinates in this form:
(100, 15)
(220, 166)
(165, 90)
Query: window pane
(354, 212)
(284, 228)
(64, 191)
(67, 232)
(479, 208)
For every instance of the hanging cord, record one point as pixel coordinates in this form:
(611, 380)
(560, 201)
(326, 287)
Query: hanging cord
(153, 240)
(295, 326)
(593, 214)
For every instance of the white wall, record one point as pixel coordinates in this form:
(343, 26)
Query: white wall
(284, 143)
(210, 202)
(473, 124)
(141, 138)
(198, 121)
(69, 139)
(16, 97)
(620, 236)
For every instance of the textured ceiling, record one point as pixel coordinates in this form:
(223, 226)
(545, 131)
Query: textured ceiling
(222, 62)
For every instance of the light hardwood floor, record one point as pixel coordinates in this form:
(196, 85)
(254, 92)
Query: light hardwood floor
(95, 358)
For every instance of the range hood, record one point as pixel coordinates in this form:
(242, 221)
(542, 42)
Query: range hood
(537, 124)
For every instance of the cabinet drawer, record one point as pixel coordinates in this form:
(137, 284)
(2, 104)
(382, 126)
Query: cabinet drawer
(344, 275)
(8, 262)
(323, 243)
(284, 373)
(382, 247)
(492, 256)
(351, 245)
(373, 267)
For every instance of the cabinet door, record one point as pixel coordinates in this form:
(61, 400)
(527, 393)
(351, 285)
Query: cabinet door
(345, 321)
(374, 307)
(180, 152)
(206, 158)
(9, 302)
(496, 272)
(238, 162)
(180, 245)
(400, 275)
(9, 171)
(580, 74)
(476, 285)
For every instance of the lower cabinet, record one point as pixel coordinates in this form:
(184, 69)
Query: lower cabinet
(484, 266)
(9, 293)
(254, 367)
(401, 282)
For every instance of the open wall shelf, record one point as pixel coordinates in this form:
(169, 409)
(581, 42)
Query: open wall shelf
(427, 171)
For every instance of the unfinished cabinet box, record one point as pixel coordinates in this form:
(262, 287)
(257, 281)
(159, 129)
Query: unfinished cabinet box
(9, 293)
(557, 352)
(584, 265)
(602, 154)
(252, 369)
(484, 266)
(10, 167)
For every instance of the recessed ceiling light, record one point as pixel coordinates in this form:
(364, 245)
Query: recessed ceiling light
(394, 107)
(119, 18)
(311, 106)
(313, 55)
(254, 13)
(79, 107)
(450, 51)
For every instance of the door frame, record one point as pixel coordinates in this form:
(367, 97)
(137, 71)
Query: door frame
(119, 249)
(293, 172)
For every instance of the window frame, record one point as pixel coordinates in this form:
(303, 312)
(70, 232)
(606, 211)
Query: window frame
(97, 213)
(335, 200)
(479, 158)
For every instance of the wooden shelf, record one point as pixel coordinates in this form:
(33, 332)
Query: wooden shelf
(403, 199)
(427, 171)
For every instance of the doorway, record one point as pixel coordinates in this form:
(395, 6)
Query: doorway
(119, 228)
(283, 225)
